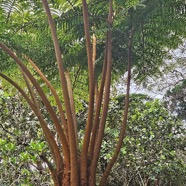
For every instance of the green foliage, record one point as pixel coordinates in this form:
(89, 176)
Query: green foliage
(158, 26)
(176, 86)
(21, 143)
(153, 148)
(175, 99)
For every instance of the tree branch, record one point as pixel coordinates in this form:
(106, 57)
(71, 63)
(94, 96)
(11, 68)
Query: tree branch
(98, 104)
(84, 153)
(106, 97)
(124, 123)
(58, 102)
(72, 141)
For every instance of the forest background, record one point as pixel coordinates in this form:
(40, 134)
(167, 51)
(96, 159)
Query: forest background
(153, 150)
